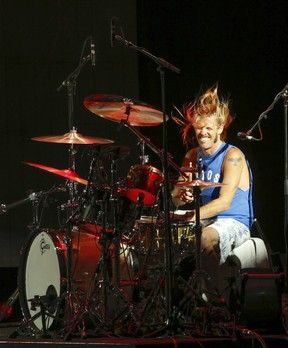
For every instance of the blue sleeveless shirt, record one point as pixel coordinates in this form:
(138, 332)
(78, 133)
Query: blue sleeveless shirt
(241, 208)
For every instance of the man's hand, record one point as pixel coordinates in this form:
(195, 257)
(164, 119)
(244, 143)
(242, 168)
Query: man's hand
(186, 196)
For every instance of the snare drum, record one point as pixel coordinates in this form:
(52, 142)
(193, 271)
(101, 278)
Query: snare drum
(143, 184)
(43, 274)
(149, 235)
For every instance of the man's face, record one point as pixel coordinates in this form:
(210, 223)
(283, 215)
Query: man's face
(207, 133)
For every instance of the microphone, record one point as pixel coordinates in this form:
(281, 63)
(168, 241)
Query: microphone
(92, 53)
(245, 136)
(112, 31)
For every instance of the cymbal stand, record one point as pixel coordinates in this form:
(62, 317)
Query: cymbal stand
(104, 264)
(117, 237)
(72, 185)
(200, 278)
(196, 192)
(143, 158)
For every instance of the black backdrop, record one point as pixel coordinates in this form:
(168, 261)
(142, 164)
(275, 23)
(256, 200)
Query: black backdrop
(242, 45)
(41, 44)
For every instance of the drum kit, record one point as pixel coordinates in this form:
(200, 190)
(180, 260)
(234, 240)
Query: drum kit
(104, 271)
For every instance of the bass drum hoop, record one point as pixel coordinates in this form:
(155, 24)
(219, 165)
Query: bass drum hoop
(25, 275)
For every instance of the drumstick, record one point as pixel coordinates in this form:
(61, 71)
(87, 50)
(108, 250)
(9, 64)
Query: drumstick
(190, 174)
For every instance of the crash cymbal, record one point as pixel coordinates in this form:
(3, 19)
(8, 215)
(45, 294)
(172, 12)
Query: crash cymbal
(197, 183)
(65, 173)
(72, 138)
(116, 108)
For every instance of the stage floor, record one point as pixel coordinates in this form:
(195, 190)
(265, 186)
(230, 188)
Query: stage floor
(10, 336)
(271, 331)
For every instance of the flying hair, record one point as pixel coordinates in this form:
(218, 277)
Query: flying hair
(205, 106)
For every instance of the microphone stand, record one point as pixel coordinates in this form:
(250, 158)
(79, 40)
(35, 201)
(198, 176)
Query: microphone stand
(282, 94)
(169, 286)
(270, 108)
(70, 83)
(285, 99)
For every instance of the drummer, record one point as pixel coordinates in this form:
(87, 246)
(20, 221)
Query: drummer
(229, 206)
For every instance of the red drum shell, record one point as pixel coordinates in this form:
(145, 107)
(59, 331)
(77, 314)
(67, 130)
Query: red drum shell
(43, 272)
(145, 181)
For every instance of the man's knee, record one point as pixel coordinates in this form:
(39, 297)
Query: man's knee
(209, 240)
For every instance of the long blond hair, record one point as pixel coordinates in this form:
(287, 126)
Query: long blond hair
(205, 106)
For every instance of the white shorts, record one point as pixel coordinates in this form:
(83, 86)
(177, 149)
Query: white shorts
(232, 234)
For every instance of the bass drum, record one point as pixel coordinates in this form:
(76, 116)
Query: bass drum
(42, 278)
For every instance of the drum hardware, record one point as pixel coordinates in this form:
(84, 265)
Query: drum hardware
(88, 194)
(199, 277)
(7, 307)
(38, 300)
(129, 116)
(73, 138)
(35, 198)
(170, 311)
(162, 65)
(107, 276)
(143, 158)
(117, 231)
(43, 276)
(72, 177)
(53, 299)
(146, 181)
(46, 303)
(43, 282)
(132, 113)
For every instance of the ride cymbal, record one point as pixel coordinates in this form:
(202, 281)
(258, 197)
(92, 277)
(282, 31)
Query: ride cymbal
(65, 173)
(116, 108)
(197, 183)
(72, 138)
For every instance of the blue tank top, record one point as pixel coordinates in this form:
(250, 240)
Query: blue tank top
(241, 208)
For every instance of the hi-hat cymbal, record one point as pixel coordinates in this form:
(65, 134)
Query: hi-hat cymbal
(65, 173)
(197, 183)
(72, 138)
(189, 170)
(116, 108)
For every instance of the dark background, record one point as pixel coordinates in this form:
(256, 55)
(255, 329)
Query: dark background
(241, 45)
